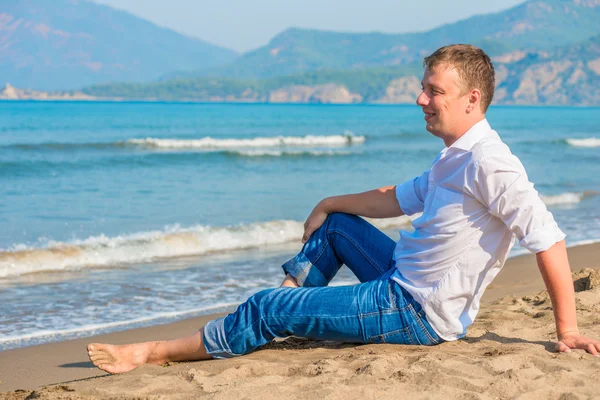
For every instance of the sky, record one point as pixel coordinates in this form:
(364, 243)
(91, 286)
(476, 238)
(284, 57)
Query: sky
(244, 25)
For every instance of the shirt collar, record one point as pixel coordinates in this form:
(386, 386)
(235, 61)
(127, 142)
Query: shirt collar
(472, 136)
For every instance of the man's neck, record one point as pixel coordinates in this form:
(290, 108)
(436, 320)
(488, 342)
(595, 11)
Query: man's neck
(450, 139)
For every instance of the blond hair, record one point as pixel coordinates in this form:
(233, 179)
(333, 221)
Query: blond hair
(474, 68)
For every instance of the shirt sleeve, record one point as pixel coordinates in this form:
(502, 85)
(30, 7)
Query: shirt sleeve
(502, 185)
(411, 194)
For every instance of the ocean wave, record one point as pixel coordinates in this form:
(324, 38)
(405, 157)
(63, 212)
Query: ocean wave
(59, 146)
(567, 198)
(257, 142)
(175, 241)
(588, 142)
(390, 223)
(94, 329)
(206, 143)
(51, 167)
(286, 153)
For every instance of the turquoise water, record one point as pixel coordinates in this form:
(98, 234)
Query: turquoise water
(117, 215)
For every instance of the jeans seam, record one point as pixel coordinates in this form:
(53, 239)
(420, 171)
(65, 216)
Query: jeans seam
(387, 334)
(266, 317)
(358, 247)
(322, 250)
(392, 296)
(309, 316)
(379, 312)
(412, 339)
(247, 328)
(319, 254)
(226, 349)
(421, 325)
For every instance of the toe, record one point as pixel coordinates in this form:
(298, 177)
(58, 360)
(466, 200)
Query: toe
(107, 368)
(99, 360)
(98, 357)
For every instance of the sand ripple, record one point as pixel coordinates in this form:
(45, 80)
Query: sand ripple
(508, 353)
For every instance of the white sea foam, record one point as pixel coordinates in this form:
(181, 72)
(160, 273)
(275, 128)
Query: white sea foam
(258, 142)
(563, 199)
(71, 329)
(281, 153)
(146, 246)
(175, 241)
(389, 223)
(589, 142)
(103, 251)
(90, 329)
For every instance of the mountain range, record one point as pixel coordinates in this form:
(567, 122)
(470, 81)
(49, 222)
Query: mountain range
(545, 52)
(63, 44)
(566, 75)
(532, 26)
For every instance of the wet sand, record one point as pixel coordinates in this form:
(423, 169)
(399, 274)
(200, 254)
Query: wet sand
(508, 352)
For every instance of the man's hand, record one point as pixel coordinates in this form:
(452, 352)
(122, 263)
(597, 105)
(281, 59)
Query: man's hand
(314, 221)
(378, 203)
(555, 269)
(574, 340)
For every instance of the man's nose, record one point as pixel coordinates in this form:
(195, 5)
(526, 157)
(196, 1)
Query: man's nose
(422, 100)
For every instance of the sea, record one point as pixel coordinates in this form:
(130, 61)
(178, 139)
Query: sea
(116, 215)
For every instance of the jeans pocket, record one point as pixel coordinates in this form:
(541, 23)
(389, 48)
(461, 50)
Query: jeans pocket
(422, 334)
(398, 336)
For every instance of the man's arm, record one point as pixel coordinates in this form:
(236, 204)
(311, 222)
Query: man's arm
(554, 266)
(378, 203)
(500, 182)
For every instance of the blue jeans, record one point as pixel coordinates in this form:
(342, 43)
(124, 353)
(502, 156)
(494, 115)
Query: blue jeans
(378, 310)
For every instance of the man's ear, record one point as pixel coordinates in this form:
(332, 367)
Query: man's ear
(474, 99)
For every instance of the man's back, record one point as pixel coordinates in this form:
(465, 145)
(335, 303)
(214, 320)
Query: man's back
(474, 199)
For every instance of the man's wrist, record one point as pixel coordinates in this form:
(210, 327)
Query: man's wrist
(326, 205)
(567, 332)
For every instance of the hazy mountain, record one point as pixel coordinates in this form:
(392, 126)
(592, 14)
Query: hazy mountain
(565, 75)
(545, 52)
(533, 25)
(59, 44)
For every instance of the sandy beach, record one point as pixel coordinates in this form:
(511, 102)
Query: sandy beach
(508, 353)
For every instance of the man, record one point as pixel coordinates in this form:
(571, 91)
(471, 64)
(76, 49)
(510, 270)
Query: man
(426, 288)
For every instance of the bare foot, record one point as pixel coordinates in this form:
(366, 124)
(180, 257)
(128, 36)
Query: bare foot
(289, 281)
(117, 359)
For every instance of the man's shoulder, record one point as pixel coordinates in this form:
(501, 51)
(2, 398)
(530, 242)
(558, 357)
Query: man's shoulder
(490, 147)
(491, 155)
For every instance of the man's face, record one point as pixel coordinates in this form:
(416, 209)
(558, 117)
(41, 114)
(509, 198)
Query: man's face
(443, 102)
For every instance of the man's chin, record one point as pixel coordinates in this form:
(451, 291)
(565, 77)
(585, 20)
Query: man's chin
(437, 133)
(431, 129)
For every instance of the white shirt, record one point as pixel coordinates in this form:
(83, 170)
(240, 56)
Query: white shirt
(475, 198)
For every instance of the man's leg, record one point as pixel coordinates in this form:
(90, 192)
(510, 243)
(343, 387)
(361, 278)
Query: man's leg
(289, 281)
(122, 358)
(342, 239)
(343, 313)
(369, 312)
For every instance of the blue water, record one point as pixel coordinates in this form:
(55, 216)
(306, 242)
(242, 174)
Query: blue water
(117, 215)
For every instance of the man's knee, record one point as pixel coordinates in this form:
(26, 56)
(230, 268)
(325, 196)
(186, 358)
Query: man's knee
(262, 303)
(339, 217)
(339, 220)
(257, 301)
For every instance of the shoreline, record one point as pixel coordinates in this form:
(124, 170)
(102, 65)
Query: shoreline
(64, 362)
(266, 103)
